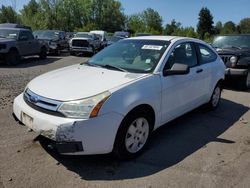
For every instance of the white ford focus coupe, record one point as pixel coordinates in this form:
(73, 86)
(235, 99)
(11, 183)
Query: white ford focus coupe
(114, 101)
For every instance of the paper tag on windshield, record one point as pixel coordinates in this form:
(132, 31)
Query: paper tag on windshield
(151, 47)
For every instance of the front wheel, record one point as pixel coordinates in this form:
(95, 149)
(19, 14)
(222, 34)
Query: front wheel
(12, 58)
(133, 135)
(215, 98)
(43, 53)
(245, 81)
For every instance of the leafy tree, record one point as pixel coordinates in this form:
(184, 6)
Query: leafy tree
(218, 27)
(172, 28)
(205, 24)
(106, 15)
(149, 21)
(136, 24)
(244, 25)
(229, 28)
(152, 21)
(30, 15)
(8, 15)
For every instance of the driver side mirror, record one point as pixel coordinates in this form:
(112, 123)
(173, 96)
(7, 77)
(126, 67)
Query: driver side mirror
(177, 69)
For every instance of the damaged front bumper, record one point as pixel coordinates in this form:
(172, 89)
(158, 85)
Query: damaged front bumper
(72, 136)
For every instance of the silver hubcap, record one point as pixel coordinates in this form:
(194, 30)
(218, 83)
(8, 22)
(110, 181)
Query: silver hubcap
(137, 135)
(248, 79)
(216, 96)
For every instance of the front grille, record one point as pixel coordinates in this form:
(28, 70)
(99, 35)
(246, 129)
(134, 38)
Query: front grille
(226, 58)
(80, 43)
(42, 104)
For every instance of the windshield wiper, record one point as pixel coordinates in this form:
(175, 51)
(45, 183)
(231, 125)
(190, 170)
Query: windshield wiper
(113, 67)
(90, 64)
(104, 66)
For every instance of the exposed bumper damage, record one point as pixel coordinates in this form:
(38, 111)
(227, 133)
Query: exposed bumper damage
(72, 136)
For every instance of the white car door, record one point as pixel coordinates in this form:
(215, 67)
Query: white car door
(181, 93)
(207, 61)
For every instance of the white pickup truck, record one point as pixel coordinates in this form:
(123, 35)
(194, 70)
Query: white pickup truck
(84, 42)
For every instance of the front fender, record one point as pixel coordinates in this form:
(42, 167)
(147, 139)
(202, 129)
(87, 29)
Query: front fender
(144, 91)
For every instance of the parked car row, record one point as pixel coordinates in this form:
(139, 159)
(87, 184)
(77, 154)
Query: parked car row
(17, 41)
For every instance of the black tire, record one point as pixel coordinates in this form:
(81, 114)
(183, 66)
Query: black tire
(120, 149)
(214, 103)
(71, 53)
(43, 53)
(93, 51)
(58, 52)
(12, 57)
(244, 82)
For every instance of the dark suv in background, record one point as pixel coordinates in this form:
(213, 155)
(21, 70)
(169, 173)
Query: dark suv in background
(17, 41)
(55, 39)
(235, 52)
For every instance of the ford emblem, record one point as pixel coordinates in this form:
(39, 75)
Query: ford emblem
(34, 99)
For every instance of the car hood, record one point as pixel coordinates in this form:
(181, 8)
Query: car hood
(5, 40)
(79, 81)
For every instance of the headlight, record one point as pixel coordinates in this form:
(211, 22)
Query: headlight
(233, 59)
(85, 108)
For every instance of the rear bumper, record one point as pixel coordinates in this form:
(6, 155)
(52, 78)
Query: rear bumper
(72, 136)
(236, 72)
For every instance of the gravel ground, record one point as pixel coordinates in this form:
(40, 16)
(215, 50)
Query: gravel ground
(200, 149)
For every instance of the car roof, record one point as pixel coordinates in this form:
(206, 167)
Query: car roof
(15, 29)
(159, 37)
(13, 25)
(48, 30)
(83, 33)
(246, 34)
(97, 31)
(167, 38)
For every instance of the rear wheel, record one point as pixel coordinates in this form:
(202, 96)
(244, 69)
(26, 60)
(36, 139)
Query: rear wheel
(133, 135)
(12, 58)
(215, 98)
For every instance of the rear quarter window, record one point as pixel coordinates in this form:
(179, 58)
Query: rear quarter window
(206, 54)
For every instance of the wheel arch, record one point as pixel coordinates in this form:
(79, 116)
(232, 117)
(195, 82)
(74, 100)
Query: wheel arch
(13, 48)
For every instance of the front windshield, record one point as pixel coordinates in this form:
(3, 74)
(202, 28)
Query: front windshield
(46, 34)
(140, 56)
(232, 42)
(8, 33)
(83, 35)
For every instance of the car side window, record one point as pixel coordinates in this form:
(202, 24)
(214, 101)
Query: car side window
(25, 35)
(206, 54)
(29, 35)
(182, 54)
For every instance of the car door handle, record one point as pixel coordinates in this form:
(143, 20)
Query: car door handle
(199, 70)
